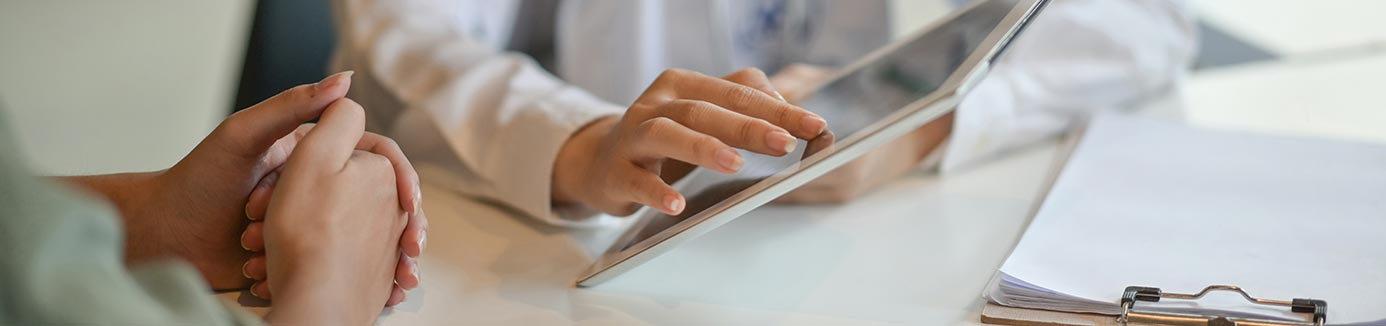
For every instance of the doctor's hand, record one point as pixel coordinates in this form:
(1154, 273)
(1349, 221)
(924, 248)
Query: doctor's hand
(797, 82)
(684, 118)
(873, 170)
(333, 226)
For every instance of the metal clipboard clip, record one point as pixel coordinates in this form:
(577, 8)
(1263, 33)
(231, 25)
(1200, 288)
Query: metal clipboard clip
(1317, 308)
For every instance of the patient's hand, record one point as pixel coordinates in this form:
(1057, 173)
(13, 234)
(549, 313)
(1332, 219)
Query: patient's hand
(333, 226)
(207, 191)
(195, 210)
(411, 244)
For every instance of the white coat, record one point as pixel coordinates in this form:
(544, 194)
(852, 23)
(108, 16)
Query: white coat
(446, 80)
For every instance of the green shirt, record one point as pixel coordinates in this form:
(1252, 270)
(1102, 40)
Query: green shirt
(62, 262)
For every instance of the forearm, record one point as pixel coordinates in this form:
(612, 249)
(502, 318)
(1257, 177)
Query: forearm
(131, 194)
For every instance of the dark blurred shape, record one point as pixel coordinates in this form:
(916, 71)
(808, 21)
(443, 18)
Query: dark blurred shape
(1219, 48)
(290, 44)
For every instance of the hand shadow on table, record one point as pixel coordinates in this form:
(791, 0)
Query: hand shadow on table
(250, 301)
(245, 299)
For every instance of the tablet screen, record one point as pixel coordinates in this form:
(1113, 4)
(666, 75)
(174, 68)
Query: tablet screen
(850, 103)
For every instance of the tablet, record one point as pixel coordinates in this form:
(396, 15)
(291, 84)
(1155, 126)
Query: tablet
(879, 98)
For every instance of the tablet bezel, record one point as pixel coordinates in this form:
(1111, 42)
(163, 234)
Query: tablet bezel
(618, 259)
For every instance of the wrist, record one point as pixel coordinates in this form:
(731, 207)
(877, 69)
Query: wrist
(132, 195)
(574, 161)
(310, 289)
(128, 192)
(305, 305)
(303, 312)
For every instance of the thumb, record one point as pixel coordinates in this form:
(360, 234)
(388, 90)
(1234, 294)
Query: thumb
(333, 140)
(255, 129)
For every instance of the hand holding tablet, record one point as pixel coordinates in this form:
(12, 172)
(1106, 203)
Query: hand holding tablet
(860, 176)
(880, 98)
(683, 116)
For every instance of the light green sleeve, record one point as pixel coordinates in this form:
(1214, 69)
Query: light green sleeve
(62, 262)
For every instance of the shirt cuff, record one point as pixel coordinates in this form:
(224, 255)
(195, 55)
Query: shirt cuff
(519, 170)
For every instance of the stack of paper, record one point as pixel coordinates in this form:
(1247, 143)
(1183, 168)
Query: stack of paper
(1159, 204)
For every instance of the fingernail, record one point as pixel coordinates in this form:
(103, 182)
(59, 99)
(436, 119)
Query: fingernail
(814, 124)
(730, 160)
(674, 204)
(243, 245)
(246, 210)
(253, 288)
(333, 80)
(423, 240)
(417, 275)
(781, 140)
(781, 96)
(245, 269)
(418, 200)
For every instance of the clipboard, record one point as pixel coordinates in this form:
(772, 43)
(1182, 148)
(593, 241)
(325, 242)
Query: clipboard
(1135, 299)
(1315, 311)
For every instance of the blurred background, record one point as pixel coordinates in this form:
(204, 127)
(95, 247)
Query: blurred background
(100, 86)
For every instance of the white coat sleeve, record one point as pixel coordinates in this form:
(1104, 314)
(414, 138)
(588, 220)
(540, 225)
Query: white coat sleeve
(493, 121)
(1077, 57)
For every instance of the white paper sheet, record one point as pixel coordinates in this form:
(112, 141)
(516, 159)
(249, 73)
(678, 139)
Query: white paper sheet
(1159, 204)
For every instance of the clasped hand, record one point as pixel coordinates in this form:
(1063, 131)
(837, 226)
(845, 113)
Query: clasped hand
(318, 180)
(330, 217)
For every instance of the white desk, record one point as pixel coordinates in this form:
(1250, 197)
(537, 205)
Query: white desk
(1333, 98)
(917, 251)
